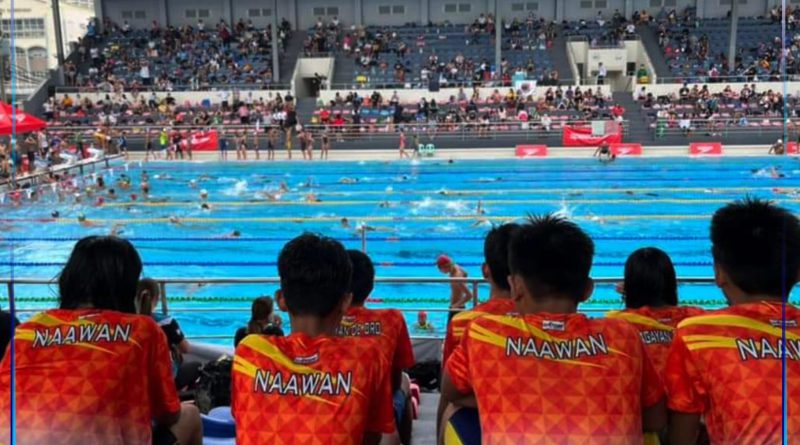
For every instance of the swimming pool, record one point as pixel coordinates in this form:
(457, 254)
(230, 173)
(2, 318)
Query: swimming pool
(418, 210)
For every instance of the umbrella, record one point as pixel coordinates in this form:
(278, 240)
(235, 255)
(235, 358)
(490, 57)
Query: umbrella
(25, 123)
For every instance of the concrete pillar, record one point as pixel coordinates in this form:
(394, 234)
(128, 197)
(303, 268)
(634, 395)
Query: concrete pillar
(734, 29)
(560, 10)
(498, 39)
(227, 11)
(700, 7)
(162, 13)
(292, 15)
(358, 6)
(98, 13)
(424, 12)
(59, 34)
(629, 8)
(276, 68)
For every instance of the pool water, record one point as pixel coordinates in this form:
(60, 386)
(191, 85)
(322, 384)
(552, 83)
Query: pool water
(417, 210)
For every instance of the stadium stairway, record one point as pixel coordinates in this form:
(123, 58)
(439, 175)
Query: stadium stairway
(343, 70)
(558, 54)
(650, 42)
(292, 51)
(638, 129)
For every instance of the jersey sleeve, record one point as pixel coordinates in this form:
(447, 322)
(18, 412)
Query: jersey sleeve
(652, 385)
(684, 387)
(404, 352)
(163, 395)
(380, 418)
(457, 365)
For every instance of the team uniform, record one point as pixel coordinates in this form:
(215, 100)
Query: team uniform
(555, 379)
(310, 390)
(389, 327)
(727, 365)
(88, 377)
(456, 327)
(656, 327)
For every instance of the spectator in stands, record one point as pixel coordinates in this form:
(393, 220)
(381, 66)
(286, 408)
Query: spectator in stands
(642, 76)
(737, 383)
(422, 324)
(650, 293)
(263, 320)
(389, 326)
(113, 363)
(549, 263)
(316, 276)
(7, 324)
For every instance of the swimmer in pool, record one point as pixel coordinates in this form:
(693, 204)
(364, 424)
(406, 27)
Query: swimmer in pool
(480, 210)
(603, 153)
(312, 198)
(345, 223)
(234, 234)
(348, 180)
(145, 186)
(385, 204)
(284, 188)
(117, 229)
(124, 182)
(55, 214)
(203, 194)
(205, 206)
(175, 220)
(192, 184)
(85, 222)
(112, 194)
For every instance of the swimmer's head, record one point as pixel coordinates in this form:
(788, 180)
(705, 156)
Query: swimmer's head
(55, 214)
(204, 193)
(111, 192)
(173, 219)
(204, 206)
(422, 317)
(236, 234)
(81, 217)
(444, 263)
(134, 196)
(100, 200)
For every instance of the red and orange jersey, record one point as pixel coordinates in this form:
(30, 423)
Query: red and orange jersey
(556, 378)
(387, 324)
(656, 327)
(310, 390)
(727, 364)
(88, 377)
(457, 326)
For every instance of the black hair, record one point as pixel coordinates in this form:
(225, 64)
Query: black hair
(553, 256)
(260, 311)
(495, 253)
(315, 274)
(650, 279)
(363, 276)
(102, 272)
(151, 286)
(758, 245)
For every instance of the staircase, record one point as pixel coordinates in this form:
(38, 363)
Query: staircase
(650, 42)
(293, 49)
(558, 54)
(638, 122)
(305, 109)
(344, 72)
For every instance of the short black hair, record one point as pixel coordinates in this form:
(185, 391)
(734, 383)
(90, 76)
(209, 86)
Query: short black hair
(363, 276)
(315, 274)
(553, 256)
(102, 272)
(758, 245)
(495, 253)
(650, 279)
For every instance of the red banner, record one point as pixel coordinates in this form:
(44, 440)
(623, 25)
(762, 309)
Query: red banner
(582, 137)
(531, 151)
(705, 148)
(626, 149)
(203, 141)
(791, 148)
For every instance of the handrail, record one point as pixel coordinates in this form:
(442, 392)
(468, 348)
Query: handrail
(178, 88)
(702, 79)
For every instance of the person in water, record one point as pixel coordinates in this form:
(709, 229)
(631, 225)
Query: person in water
(604, 154)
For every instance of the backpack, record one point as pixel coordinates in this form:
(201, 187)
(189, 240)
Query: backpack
(426, 374)
(214, 384)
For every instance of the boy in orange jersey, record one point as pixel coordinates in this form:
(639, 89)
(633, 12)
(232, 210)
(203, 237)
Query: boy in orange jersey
(495, 271)
(739, 367)
(550, 374)
(389, 326)
(92, 371)
(650, 291)
(312, 387)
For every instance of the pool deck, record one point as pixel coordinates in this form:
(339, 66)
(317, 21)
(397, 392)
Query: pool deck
(470, 153)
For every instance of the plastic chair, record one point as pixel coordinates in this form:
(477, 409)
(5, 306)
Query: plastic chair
(219, 427)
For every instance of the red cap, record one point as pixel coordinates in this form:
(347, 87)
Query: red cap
(443, 260)
(422, 314)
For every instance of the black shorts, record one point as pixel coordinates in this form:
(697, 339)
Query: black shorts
(163, 436)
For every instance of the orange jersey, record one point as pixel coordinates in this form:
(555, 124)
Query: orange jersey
(656, 327)
(314, 391)
(387, 324)
(88, 377)
(727, 365)
(556, 378)
(456, 327)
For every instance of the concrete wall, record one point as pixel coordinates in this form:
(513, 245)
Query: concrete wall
(371, 12)
(442, 96)
(716, 8)
(670, 88)
(438, 12)
(195, 97)
(306, 15)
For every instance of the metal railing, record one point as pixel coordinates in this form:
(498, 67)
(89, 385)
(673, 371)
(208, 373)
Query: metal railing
(705, 78)
(268, 86)
(163, 283)
(722, 127)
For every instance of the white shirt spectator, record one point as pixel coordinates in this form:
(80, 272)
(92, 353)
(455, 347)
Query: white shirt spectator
(602, 71)
(685, 123)
(144, 71)
(547, 122)
(631, 28)
(201, 25)
(126, 26)
(94, 52)
(335, 22)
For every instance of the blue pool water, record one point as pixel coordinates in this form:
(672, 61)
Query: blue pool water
(431, 210)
